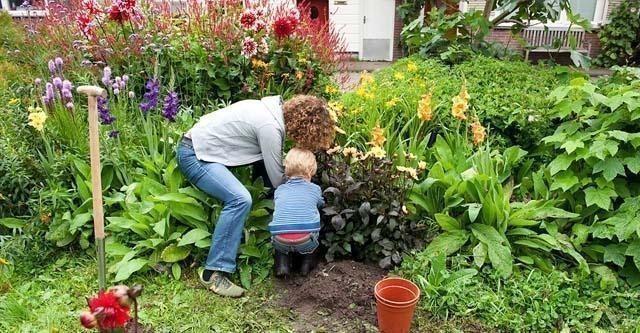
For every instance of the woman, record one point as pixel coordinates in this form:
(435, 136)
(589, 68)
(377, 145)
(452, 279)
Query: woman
(244, 133)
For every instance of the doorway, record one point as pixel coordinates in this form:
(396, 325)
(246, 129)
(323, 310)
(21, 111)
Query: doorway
(377, 30)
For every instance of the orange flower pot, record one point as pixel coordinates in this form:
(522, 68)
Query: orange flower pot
(396, 300)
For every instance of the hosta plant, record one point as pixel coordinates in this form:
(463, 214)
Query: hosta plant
(470, 195)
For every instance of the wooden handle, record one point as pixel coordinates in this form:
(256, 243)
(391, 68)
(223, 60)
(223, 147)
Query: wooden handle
(94, 152)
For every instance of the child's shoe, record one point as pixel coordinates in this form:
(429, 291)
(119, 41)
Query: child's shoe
(282, 264)
(307, 263)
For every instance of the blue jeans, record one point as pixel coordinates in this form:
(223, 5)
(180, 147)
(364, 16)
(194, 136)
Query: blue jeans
(217, 181)
(305, 248)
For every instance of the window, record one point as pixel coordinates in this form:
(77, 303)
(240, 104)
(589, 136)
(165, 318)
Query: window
(586, 8)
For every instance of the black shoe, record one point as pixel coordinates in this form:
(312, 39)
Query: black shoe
(308, 263)
(282, 264)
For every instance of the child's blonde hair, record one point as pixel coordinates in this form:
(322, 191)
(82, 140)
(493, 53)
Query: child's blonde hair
(300, 163)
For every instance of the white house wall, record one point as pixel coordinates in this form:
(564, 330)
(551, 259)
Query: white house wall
(346, 18)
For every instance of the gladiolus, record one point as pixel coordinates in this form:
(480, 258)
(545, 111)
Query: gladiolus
(377, 136)
(479, 132)
(425, 113)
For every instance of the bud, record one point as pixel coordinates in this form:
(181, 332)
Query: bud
(88, 320)
(122, 294)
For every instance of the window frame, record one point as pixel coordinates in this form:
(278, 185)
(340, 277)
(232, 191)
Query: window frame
(21, 13)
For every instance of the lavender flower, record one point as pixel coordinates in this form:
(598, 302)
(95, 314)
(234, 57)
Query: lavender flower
(69, 105)
(150, 98)
(116, 91)
(66, 94)
(57, 82)
(52, 67)
(66, 84)
(38, 81)
(106, 76)
(170, 108)
(59, 63)
(106, 118)
(125, 78)
(49, 94)
(114, 134)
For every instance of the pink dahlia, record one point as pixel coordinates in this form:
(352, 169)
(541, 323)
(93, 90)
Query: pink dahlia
(248, 19)
(285, 26)
(249, 47)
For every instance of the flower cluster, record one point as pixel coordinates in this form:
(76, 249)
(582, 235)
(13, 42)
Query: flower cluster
(150, 98)
(460, 104)
(58, 89)
(285, 26)
(425, 113)
(37, 117)
(106, 118)
(377, 136)
(254, 19)
(478, 131)
(110, 310)
(170, 108)
(254, 22)
(122, 11)
(117, 84)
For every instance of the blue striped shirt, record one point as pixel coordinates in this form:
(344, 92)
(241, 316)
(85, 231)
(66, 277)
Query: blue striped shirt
(296, 207)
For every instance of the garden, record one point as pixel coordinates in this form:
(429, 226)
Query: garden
(507, 191)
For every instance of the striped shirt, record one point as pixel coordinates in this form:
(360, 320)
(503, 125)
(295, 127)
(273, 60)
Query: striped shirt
(296, 207)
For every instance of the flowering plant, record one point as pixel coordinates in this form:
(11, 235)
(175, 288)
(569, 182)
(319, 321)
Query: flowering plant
(109, 310)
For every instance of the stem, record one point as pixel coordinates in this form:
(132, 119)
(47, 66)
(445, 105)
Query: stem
(135, 315)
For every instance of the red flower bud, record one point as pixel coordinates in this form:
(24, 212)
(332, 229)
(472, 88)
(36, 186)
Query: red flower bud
(88, 320)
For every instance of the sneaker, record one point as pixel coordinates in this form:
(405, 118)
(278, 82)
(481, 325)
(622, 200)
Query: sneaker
(221, 285)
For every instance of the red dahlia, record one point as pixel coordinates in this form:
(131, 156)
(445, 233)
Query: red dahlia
(108, 311)
(285, 26)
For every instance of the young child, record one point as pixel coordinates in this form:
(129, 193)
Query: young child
(296, 220)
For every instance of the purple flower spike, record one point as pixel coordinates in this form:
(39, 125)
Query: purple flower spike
(69, 105)
(170, 108)
(66, 84)
(106, 118)
(66, 94)
(38, 81)
(59, 63)
(49, 94)
(125, 78)
(52, 67)
(106, 76)
(150, 98)
(57, 82)
(116, 91)
(114, 134)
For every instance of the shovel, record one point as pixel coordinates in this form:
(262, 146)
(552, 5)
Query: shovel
(93, 93)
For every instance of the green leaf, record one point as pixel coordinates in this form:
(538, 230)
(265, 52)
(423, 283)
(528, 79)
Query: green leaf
(447, 222)
(176, 271)
(600, 197)
(12, 223)
(173, 253)
(580, 233)
(615, 253)
(175, 197)
(479, 254)
(499, 254)
(126, 269)
(633, 250)
(474, 210)
(571, 145)
(447, 243)
(608, 279)
(193, 236)
(245, 276)
(560, 163)
(620, 135)
(633, 163)
(610, 168)
(564, 180)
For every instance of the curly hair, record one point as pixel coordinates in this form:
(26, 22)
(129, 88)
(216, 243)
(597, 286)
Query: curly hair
(308, 123)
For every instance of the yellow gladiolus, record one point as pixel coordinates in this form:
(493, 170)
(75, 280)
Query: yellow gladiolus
(459, 107)
(37, 120)
(412, 67)
(392, 102)
(425, 113)
(398, 76)
(377, 136)
(479, 132)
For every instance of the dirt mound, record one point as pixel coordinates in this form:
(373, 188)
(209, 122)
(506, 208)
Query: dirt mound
(335, 297)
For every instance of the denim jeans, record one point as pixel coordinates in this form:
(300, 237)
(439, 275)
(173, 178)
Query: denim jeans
(305, 248)
(217, 181)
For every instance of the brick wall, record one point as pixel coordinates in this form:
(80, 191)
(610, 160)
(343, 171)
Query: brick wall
(397, 28)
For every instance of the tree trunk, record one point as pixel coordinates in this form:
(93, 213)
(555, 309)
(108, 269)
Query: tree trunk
(488, 8)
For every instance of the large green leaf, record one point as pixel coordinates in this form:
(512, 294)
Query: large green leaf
(600, 197)
(564, 180)
(447, 222)
(499, 254)
(560, 163)
(610, 168)
(193, 236)
(173, 253)
(633, 250)
(447, 243)
(615, 253)
(13, 223)
(127, 268)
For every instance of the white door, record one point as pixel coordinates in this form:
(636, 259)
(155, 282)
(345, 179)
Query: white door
(377, 29)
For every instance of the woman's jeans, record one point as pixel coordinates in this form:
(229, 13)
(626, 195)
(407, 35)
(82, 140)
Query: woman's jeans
(217, 181)
(305, 248)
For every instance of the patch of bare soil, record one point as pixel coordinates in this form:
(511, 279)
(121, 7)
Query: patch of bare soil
(335, 297)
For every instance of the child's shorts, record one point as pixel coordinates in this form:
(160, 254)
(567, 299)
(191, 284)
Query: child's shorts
(307, 247)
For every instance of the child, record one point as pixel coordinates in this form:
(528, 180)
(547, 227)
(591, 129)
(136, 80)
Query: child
(296, 220)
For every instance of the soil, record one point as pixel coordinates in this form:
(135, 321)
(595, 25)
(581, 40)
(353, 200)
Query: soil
(140, 329)
(335, 297)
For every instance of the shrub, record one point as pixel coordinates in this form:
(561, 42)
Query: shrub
(620, 38)
(529, 301)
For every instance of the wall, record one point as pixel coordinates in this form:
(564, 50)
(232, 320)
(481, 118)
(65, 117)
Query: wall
(346, 19)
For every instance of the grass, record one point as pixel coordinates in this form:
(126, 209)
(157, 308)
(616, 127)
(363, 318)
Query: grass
(49, 300)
